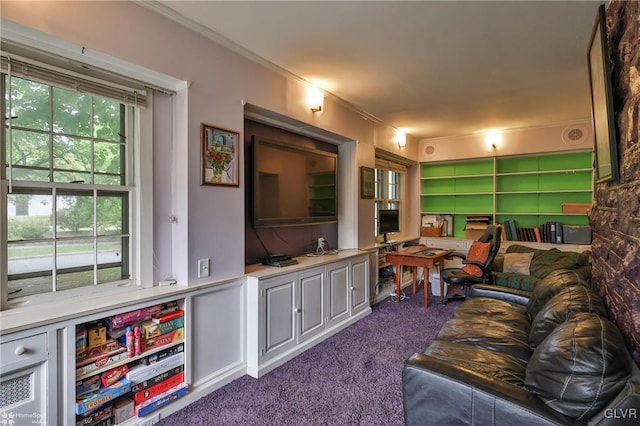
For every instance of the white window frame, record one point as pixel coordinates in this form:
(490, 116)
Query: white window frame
(141, 203)
(382, 199)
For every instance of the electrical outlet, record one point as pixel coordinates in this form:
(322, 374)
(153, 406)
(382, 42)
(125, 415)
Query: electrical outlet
(203, 268)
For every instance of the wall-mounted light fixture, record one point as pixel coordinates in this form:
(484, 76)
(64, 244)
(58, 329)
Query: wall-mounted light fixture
(400, 138)
(315, 99)
(493, 139)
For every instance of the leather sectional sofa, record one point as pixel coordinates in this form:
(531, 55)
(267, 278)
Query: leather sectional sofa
(511, 357)
(543, 263)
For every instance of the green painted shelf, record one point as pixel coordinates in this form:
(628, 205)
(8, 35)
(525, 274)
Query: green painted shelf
(528, 189)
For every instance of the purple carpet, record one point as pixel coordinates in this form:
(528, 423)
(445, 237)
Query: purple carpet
(352, 378)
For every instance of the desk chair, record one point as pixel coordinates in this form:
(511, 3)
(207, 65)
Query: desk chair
(476, 264)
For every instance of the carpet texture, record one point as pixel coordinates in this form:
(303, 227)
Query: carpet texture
(352, 378)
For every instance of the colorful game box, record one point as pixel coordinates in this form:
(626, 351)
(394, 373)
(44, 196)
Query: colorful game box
(103, 396)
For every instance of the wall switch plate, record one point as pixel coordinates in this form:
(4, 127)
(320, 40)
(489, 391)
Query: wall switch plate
(203, 268)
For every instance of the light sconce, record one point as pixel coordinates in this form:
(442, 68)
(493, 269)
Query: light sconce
(400, 138)
(315, 99)
(493, 139)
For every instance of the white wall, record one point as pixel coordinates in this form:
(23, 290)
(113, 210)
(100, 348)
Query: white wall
(210, 219)
(517, 141)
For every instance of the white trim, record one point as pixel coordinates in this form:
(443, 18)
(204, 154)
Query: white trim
(17, 33)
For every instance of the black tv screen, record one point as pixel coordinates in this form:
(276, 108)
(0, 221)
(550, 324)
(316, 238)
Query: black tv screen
(293, 185)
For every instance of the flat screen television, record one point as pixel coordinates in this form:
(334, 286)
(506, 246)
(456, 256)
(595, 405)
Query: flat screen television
(293, 185)
(388, 222)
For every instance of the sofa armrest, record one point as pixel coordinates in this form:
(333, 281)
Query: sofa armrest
(439, 392)
(513, 295)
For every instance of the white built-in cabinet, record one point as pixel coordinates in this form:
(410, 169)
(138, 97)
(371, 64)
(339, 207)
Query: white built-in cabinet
(246, 325)
(290, 311)
(25, 378)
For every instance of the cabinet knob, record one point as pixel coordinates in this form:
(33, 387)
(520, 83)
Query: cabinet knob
(297, 310)
(352, 288)
(19, 350)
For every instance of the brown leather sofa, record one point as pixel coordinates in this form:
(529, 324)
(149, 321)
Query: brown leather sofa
(547, 357)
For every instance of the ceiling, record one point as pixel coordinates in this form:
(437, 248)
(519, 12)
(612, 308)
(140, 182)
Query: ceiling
(430, 68)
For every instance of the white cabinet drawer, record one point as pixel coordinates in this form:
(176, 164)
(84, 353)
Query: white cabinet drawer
(22, 352)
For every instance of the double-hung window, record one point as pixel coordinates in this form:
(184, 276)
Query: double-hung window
(68, 177)
(389, 178)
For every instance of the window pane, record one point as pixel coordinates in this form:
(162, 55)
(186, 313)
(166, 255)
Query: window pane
(28, 257)
(74, 262)
(112, 274)
(71, 112)
(74, 279)
(29, 268)
(29, 155)
(110, 214)
(71, 157)
(29, 104)
(107, 120)
(107, 159)
(110, 250)
(74, 215)
(29, 216)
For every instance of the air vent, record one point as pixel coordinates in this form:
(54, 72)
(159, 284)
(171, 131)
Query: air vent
(574, 135)
(429, 151)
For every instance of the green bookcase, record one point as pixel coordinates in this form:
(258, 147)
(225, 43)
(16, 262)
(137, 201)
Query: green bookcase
(528, 189)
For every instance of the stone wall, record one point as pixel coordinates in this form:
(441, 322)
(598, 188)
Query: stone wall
(615, 214)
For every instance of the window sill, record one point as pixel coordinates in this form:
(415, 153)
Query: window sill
(35, 311)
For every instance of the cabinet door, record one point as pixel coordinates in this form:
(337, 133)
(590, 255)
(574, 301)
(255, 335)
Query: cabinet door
(277, 299)
(23, 386)
(311, 303)
(338, 288)
(359, 284)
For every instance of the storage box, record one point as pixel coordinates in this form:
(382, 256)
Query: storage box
(576, 234)
(431, 231)
(103, 396)
(123, 409)
(96, 335)
(575, 208)
(473, 231)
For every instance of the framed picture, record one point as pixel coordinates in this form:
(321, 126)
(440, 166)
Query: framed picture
(219, 156)
(367, 181)
(604, 124)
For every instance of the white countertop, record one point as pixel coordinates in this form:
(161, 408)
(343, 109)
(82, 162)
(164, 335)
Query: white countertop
(63, 308)
(260, 271)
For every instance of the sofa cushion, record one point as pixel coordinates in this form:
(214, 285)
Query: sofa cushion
(479, 361)
(550, 261)
(562, 307)
(548, 287)
(480, 332)
(511, 280)
(517, 263)
(478, 252)
(580, 366)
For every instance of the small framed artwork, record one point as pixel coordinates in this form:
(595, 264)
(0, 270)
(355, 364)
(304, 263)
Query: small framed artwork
(367, 181)
(219, 156)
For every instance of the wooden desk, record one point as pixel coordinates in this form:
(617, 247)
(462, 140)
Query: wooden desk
(416, 256)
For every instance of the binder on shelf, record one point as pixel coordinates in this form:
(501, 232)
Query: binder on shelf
(559, 237)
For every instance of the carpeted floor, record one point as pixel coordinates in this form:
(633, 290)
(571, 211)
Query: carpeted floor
(352, 378)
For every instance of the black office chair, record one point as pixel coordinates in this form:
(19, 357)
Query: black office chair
(464, 279)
